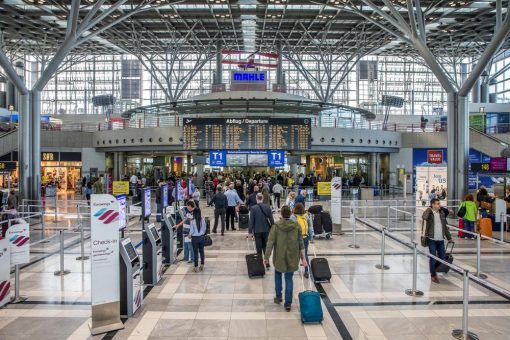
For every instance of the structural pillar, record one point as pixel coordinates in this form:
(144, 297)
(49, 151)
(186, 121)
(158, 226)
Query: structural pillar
(373, 168)
(458, 146)
(188, 165)
(24, 145)
(121, 165)
(475, 93)
(219, 65)
(279, 69)
(200, 174)
(116, 170)
(35, 152)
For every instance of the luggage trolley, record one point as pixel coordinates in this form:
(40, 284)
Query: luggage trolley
(322, 223)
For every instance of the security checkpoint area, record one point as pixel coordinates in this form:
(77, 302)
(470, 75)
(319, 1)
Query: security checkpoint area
(263, 170)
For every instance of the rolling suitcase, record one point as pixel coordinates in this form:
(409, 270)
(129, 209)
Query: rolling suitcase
(255, 264)
(441, 267)
(244, 220)
(327, 223)
(310, 304)
(486, 227)
(317, 224)
(319, 268)
(460, 234)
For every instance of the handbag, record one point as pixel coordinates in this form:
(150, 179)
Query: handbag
(462, 210)
(423, 239)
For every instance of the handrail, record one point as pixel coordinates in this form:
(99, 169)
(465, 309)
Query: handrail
(497, 140)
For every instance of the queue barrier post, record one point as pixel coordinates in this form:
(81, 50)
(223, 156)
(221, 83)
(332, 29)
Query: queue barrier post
(382, 266)
(478, 257)
(464, 333)
(354, 245)
(82, 256)
(62, 271)
(414, 291)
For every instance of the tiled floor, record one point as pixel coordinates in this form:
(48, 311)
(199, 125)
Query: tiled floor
(223, 303)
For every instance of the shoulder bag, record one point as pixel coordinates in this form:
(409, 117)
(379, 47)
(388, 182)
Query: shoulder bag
(268, 221)
(423, 239)
(462, 210)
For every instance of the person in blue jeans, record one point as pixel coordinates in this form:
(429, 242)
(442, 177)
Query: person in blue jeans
(287, 243)
(435, 232)
(185, 224)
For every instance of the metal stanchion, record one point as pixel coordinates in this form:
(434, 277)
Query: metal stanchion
(464, 333)
(388, 217)
(62, 271)
(82, 256)
(412, 227)
(502, 227)
(382, 266)
(43, 228)
(353, 221)
(56, 209)
(17, 297)
(413, 291)
(478, 255)
(365, 210)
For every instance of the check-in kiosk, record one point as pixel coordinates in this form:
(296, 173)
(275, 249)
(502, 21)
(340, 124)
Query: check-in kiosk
(152, 255)
(131, 287)
(167, 239)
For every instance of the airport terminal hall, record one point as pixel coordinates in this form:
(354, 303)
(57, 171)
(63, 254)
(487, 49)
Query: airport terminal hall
(254, 169)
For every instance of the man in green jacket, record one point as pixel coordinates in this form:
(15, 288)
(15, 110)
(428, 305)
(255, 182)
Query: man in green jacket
(285, 237)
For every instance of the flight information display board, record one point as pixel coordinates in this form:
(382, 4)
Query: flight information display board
(247, 133)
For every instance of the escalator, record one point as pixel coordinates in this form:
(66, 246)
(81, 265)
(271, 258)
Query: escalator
(8, 142)
(487, 144)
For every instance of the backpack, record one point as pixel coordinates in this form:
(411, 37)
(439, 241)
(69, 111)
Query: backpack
(302, 221)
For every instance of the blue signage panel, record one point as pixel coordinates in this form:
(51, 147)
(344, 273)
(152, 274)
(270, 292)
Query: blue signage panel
(146, 202)
(218, 158)
(164, 195)
(275, 158)
(249, 77)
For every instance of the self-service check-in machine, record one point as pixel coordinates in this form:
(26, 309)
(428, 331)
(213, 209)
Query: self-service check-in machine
(167, 236)
(131, 287)
(152, 255)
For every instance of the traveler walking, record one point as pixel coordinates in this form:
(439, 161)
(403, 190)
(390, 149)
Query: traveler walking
(197, 236)
(277, 192)
(435, 232)
(306, 226)
(291, 200)
(219, 200)
(159, 201)
(470, 215)
(261, 220)
(233, 200)
(286, 241)
(252, 199)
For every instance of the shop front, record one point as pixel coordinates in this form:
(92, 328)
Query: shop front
(8, 174)
(62, 170)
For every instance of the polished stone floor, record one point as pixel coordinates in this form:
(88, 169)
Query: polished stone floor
(223, 303)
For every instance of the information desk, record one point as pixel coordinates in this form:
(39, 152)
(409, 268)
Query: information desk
(152, 255)
(131, 287)
(167, 235)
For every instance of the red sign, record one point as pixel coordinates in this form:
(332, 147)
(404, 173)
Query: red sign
(435, 156)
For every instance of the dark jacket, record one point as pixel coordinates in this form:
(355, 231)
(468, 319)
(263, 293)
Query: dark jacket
(219, 200)
(261, 219)
(240, 192)
(252, 200)
(428, 219)
(158, 195)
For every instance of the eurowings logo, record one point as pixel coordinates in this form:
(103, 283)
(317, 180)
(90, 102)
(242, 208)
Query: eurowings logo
(5, 287)
(337, 186)
(19, 240)
(107, 216)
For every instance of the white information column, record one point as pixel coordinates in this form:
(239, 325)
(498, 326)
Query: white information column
(105, 276)
(5, 272)
(336, 202)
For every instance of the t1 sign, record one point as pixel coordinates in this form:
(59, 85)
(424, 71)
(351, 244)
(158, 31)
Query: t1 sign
(276, 158)
(218, 158)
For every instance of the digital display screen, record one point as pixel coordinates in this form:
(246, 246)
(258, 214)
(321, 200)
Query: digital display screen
(247, 133)
(122, 211)
(236, 160)
(154, 232)
(146, 202)
(257, 160)
(498, 164)
(164, 195)
(478, 167)
(130, 250)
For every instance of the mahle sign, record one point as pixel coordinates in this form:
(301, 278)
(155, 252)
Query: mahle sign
(249, 77)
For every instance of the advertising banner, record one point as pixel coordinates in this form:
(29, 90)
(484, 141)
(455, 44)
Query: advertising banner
(336, 200)
(19, 243)
(429, 179)
(164, 195)
(5, 272)
(146, 202)
(324, 188)
(120, 187)
(104, 239)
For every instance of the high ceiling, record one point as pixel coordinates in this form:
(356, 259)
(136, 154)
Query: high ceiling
(309, 27)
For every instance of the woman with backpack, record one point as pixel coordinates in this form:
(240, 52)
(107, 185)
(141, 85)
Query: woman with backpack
(301, 218)
(468, 212)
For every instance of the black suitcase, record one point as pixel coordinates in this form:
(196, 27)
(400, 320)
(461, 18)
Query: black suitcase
(243, 210)
(208, 241)
(244, 220)
(255, 265)
(315, 209)
(317, 224)
(320, 269)
(441, 267)
(327, 223)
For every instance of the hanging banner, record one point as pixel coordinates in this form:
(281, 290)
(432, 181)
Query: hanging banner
(5, 272)
(19, 243)
(323, 188)
(336, 200)
(122, 211)
(120, 187)
(105, 276)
